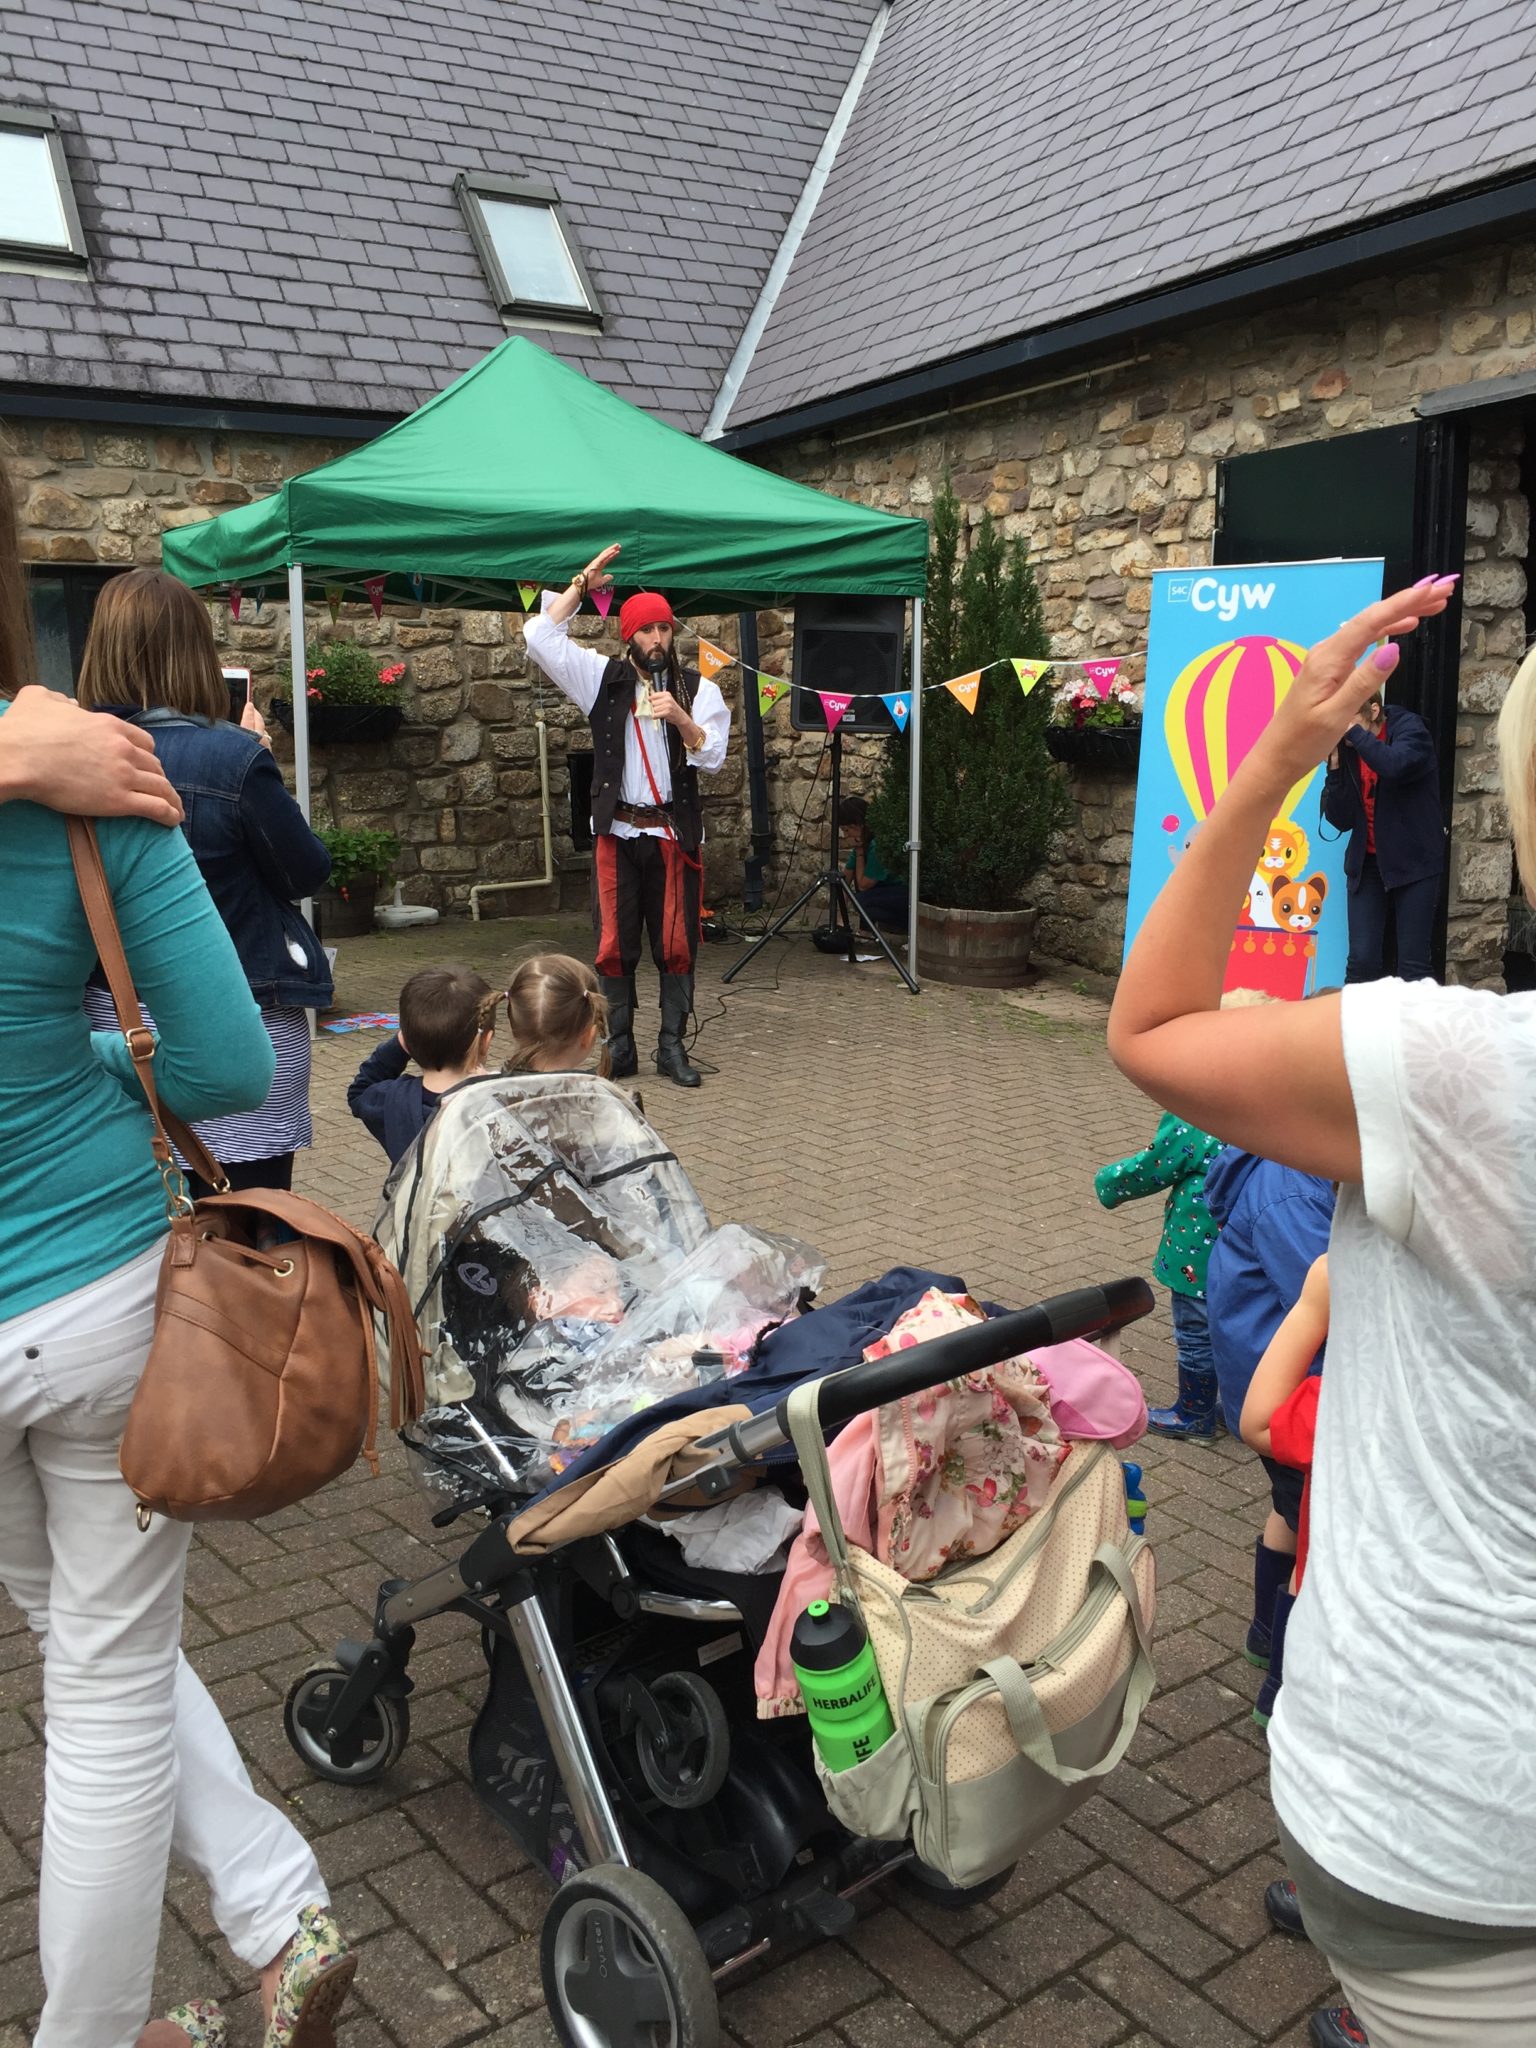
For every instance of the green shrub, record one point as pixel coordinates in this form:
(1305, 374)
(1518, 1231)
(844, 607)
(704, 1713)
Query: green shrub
(992, 797)
(358, 854)
(341, 672)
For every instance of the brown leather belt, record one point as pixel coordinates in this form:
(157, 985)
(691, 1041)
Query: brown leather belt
(643, 814)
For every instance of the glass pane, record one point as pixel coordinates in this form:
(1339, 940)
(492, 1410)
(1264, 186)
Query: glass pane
(533, 254)
(50, 622)
(29, 195)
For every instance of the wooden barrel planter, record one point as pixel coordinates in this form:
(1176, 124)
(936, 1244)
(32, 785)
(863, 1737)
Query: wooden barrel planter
(975, 948)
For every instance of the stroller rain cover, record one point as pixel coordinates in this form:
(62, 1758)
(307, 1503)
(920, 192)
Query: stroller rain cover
(564, 1275)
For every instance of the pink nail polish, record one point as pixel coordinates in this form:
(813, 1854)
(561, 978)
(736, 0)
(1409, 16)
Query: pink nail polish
(1385, 658)
(1445, 582)
(1423, 580)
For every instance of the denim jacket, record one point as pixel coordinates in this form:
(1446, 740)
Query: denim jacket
(256, 853)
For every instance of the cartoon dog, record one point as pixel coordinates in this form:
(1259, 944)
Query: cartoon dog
(1299, 905)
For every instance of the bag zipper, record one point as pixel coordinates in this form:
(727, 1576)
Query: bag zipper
(1034, 1534)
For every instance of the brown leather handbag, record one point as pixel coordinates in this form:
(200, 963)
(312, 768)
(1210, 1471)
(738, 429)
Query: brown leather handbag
(262, 1383)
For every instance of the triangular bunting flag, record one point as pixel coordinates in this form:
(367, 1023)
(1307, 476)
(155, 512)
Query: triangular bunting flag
(333, 597)
(966, 689)
(1028, 672)
(833, 706)
(769, 691)
(234, 605)
(603, 599)
(899, 706)
(712, 659)
(261, 591)
(418, 586)
(1102, 674)
(529, 593)
(374, 585)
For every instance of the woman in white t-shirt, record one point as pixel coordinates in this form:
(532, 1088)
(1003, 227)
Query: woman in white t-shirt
(1404, 1745)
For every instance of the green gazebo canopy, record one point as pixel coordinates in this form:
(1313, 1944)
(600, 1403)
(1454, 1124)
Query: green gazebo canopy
(523, 470)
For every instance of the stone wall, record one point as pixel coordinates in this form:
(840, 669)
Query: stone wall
(459, 783)
(1114, 475)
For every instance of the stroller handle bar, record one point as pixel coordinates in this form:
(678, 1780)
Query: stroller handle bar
(1084, 1312)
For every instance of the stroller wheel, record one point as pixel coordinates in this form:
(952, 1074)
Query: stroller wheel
(384, 1732)
(686, 1765)
(622, 1966)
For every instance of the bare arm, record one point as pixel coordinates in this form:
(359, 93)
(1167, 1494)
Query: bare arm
(53, 753)
(1289, 1358)
(1271, 1079)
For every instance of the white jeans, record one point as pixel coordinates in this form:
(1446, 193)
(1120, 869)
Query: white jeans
(139, 1762)
(1487, 2004)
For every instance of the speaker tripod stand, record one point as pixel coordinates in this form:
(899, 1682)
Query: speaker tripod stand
(842, 899)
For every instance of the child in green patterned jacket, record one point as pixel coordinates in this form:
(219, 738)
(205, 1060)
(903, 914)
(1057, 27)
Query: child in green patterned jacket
(1176, 1160)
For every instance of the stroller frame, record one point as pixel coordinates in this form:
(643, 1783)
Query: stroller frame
(635, 1971)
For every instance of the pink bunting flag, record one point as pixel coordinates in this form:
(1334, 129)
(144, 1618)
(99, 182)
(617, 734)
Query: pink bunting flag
(966, 689)
(833, 708)
(603, 599)
(1102, 675)
(374, 585)
(234, 605)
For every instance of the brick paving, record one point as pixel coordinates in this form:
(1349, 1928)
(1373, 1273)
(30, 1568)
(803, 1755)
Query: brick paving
(957, 1130)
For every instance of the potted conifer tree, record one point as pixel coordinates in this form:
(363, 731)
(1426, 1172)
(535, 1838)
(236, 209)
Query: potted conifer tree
(992, 798)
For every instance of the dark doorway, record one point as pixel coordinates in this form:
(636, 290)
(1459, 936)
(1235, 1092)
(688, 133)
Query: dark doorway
(1398, 492)
(63, 600)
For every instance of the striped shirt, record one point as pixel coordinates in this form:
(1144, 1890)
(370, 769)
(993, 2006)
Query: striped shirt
(282, 1124)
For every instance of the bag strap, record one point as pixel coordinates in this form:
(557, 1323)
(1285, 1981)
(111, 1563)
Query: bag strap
(1025, 1718)
(96, 896)
(804, 1418)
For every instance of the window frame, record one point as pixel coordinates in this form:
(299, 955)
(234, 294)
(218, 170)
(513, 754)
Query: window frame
(38, 121)
(470, 187)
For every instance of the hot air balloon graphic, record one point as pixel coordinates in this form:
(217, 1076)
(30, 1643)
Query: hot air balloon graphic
(1219, 704)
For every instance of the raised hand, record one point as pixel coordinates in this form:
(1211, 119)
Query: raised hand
(1338, 676)
(596, 578)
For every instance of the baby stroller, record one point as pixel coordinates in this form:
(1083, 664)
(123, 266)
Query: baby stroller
(618, 1739)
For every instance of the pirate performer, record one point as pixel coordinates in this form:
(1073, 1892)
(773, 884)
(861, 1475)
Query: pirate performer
(656, 727)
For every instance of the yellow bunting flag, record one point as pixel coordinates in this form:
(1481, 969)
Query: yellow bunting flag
(712, 659)
(769, 691)
(529, 593)
(1028, 672)
(965, 689)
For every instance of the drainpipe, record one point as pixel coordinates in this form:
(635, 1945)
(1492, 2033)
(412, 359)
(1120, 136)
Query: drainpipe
(530, 881)
(757, 764)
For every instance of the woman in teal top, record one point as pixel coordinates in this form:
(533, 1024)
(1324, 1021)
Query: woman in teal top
(136, 1751)
(1176, 1160)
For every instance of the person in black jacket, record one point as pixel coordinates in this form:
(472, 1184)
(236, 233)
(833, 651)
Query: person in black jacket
(1383, 789)
(447, 1021)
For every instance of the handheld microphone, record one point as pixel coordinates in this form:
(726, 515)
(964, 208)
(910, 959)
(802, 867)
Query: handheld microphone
(656, 668)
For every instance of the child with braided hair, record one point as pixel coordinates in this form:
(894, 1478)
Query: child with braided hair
(557, 1015)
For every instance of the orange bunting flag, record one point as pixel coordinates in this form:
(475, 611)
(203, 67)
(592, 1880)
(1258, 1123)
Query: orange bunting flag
(712, 659)
(1028, 672)
(769, 691)
(966, 689)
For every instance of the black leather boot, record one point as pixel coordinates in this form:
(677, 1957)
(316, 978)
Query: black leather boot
(676, 1007)
(619, 994)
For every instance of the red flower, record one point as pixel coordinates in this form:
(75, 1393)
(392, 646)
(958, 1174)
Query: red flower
(313, 693)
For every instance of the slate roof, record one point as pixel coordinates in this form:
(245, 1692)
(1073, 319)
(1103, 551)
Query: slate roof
(266, 185)
(1009, 166)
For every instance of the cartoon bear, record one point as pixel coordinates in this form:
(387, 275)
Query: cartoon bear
(1299, 905)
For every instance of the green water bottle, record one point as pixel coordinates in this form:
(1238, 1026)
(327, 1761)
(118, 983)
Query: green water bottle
(844, 1699)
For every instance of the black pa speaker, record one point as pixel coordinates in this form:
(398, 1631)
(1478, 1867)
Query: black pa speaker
(852, 646)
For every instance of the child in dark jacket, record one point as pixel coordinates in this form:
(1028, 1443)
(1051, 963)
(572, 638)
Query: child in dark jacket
(1176, 1160)
(447, 1021)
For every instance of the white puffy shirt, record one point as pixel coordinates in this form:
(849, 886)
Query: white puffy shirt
(1404, 1742)
(577, 672)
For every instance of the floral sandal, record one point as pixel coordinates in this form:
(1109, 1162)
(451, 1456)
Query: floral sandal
(317, 1972)
(202, 2022)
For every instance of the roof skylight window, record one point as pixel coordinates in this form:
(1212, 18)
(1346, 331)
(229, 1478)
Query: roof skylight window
(529, 256)
(37, 207)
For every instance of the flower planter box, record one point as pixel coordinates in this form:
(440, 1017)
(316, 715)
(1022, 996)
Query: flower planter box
(349, 916)
(975, 948)
(339, 725)
(1111, 749)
